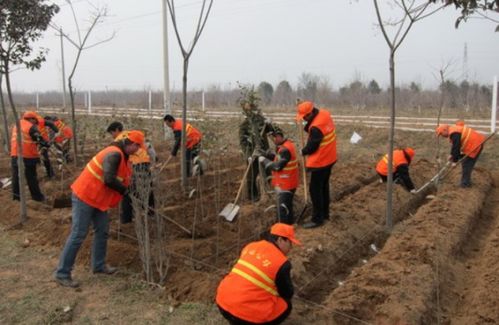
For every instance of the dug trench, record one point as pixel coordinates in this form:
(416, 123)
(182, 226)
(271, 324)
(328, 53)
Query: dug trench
(417, 276)
(356, 228)
(216, 243)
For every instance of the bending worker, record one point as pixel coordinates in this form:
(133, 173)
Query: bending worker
(100, 186)
(258, 290)
(402, 158)
(320, 152)
(285, 175)
(30, 139)
(466, 143)
(193, 141)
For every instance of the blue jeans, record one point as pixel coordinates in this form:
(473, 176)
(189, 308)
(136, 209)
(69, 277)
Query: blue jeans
(82, 215)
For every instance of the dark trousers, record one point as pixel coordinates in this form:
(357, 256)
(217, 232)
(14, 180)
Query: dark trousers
(139, 171)
(46, 162)
(190, 154)
(468, 164)
(285, 206)
(237, 321)
(319, 193)
(251, 181)
(31, 178)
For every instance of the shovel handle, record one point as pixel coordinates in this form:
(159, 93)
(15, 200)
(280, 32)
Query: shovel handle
(240, 190)
(304, 170)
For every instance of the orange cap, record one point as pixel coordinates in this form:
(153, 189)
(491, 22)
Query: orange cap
(460, 122)
(136, 136)
(303, 109)
(410, 152)
(30, 114)
(442, 128)
(286, 231)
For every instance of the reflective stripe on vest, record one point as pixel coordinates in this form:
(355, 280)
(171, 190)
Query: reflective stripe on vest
(292, 164)
(269, 286)
(328, 138)
(95, 174)
(465, 136)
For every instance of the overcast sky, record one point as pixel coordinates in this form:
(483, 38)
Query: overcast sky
(262, 40)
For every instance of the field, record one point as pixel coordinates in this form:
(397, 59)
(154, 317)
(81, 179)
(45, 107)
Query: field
(439, 264)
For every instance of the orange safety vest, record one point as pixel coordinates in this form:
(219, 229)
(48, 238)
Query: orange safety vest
(326, 154)
(286, 178)
(398, 159)
(249, 291)
(67, 132)
(89, 186)
(30, 148)
(193, 134)
(140, 157)
(471, 140)
(43, 129)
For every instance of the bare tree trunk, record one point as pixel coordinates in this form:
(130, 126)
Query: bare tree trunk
(73, 121)
(183, 148)
(22, 194)
(4, 115)
(389, 184)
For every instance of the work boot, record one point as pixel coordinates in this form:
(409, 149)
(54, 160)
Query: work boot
(311, 224)
(67, 282)
(106, 270)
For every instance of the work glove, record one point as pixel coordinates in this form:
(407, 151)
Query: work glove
(413, 191)
(261, 159)
(268, 121)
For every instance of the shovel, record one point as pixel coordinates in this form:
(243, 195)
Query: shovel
(164, 164)
(304, 170)
(230, 211)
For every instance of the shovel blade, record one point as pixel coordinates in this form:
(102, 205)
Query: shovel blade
(63, 201)
(229, 212)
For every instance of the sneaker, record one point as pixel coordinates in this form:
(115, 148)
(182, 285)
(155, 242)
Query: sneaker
(106, 270)
(311, 224)
(67, 282)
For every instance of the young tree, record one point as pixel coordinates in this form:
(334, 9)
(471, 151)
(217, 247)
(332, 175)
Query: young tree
(186, 54)
(283, 93)
(411, 12)
(373, 87)
(307, 86)
(22, 23)
(97, 16)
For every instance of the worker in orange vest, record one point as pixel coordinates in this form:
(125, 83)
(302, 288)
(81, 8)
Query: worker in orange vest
(320, 152)
(141, 178)
(467, 144)
(402, 158)
(258, 289)
(45, 126)
(62, 139)
(31, 138)
(285, 176)
(100, 186)
(193, 142)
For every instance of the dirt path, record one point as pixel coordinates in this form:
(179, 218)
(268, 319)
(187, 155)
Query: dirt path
(471, 297)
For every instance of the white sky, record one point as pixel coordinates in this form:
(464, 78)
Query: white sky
(262, 40)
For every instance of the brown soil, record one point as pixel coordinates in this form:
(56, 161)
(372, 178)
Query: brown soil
(439, 264)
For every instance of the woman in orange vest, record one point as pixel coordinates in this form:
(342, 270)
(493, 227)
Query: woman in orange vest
(141, 175)
(466, 143)
(30, 139)
(320, 152)
(258, 289)
(62, 139)
(193, 145)
(285, 174)
(402, 158)
(100, 186)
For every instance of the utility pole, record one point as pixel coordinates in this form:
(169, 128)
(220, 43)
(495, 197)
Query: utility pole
(166, 79)
(63, 73)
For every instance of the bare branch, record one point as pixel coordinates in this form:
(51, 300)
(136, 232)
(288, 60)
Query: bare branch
(100, 42)
(75, 20)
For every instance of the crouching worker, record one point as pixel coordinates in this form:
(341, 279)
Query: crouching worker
(401, 160)
(258, 290)
(100, 186)
(285, 174)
